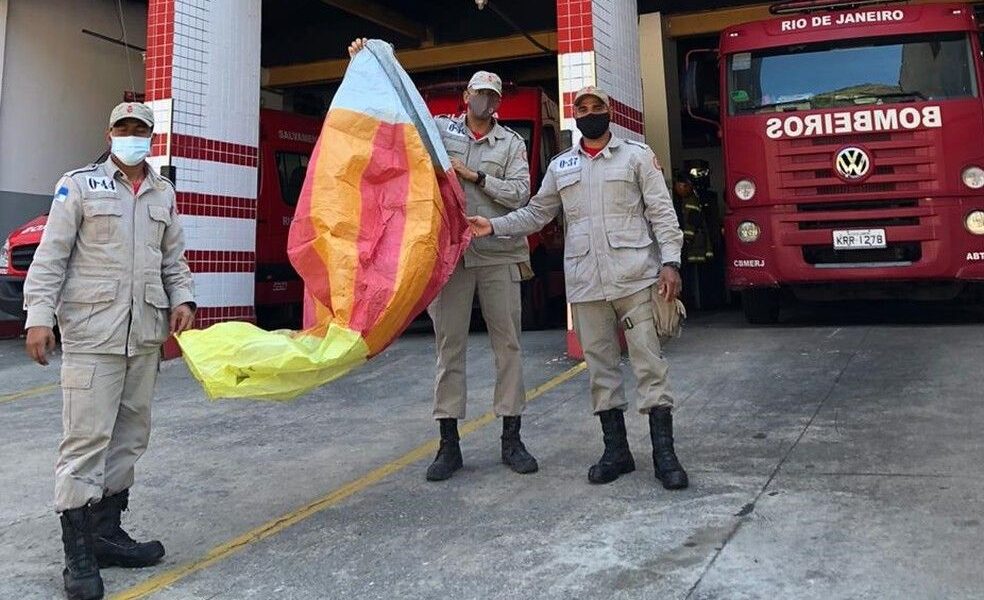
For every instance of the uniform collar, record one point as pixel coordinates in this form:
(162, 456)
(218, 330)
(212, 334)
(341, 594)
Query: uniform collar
(110, 168)
(613, 143)
(150, 176)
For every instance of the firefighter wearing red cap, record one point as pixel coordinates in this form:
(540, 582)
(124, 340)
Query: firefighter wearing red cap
(622, 243)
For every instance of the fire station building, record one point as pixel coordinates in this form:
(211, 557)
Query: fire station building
(208, 67)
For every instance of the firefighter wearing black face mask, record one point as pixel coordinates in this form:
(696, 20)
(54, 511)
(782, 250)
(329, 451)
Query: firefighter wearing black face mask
(622, 245)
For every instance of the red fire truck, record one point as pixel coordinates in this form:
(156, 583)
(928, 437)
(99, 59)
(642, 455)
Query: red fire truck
(286, 143)
(852, 146)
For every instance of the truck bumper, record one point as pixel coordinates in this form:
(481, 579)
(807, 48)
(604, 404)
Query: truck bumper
(12, 296)
(927, 244)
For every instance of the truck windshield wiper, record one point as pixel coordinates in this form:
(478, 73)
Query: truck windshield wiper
(910, 96)
(781, 106)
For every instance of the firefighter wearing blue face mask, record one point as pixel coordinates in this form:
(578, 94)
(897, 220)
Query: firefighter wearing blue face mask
(111, 271)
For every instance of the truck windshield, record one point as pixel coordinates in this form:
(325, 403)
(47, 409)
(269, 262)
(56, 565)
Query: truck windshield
(291, 169)
(851, 73)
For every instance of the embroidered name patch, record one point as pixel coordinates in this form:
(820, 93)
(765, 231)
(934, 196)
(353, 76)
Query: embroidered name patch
(457, 129)
(571, 162)
(105, 184)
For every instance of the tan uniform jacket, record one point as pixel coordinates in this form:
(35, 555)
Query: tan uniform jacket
(110, 266)
(501, 155)
(621, 226)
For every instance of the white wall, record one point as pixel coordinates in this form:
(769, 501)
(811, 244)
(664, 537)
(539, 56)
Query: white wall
(58, 86)
(657, 66)
(3, 39)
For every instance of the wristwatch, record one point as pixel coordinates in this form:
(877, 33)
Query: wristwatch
(675, 265)
(480, 182)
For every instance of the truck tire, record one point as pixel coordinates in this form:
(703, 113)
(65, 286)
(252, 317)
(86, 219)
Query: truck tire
(761, 306)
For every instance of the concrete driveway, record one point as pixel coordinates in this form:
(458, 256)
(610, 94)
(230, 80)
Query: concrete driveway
(835, 456)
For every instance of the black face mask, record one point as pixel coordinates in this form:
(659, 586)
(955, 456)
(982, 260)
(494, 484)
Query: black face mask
(593, 126)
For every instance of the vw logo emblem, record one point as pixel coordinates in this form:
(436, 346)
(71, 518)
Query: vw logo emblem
(852, 163)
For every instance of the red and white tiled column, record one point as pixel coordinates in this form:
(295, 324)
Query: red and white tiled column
(203, 69)
(598, 44)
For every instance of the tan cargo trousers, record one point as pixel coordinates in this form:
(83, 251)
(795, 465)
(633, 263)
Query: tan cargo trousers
(106, 424)
(596, 326)
(499, 295)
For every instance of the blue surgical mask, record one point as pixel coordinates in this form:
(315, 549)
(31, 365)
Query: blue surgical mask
(131, 150)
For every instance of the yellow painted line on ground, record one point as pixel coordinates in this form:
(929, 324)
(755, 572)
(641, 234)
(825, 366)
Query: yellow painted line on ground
(35, 391)
(234, 546)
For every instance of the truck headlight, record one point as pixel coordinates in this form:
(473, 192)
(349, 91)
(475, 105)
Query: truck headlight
(745, 189)
(5, 256)
(975, 222)
(973, 177)
(748, 232)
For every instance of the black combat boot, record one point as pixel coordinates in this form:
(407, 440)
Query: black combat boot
(668, 468)
(617, 459)
(114, 547)
(81, 574)
(514, 452)
(448, 459)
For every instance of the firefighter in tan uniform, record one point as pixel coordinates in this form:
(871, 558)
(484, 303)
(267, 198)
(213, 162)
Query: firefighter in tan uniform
(622, 239)
(493, 168)
(111, 272)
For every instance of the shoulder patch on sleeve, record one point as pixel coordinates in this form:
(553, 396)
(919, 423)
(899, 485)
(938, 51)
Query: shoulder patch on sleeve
(61, 194)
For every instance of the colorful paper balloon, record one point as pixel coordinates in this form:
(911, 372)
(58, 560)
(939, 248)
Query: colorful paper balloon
(379, 228)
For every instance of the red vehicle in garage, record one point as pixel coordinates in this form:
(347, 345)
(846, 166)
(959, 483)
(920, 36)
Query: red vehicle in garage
(15, 258)
(852, 143)
(286, 143)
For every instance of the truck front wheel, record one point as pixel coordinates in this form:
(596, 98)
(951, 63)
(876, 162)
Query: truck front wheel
(761, 306)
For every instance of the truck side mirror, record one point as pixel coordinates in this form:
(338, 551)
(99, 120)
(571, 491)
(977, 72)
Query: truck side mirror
(702, 87)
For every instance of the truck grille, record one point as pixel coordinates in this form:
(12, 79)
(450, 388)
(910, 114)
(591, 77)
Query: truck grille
(903, 162)
(900, 254)
(22, 256)
(857, 221)
(898, 215)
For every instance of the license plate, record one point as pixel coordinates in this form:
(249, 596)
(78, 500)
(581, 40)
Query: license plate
(859, 239)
